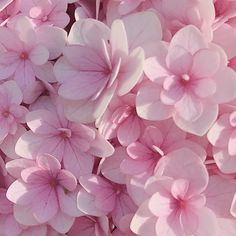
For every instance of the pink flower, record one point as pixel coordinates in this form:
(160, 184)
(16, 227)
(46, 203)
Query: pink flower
(46, 12)
(12, 114)
(25, 52)
(176, 14)
(92, 71)
(99, 197)
(176, 205)
(42, 188)
(155, 143)
(121, 120)
(188, 83)
(222, 136)
(74, 143)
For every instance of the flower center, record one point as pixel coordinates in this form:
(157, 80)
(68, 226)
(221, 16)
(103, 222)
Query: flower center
(181, 203)
(5, 114)
(44, 18)
(24, 55)
(53, 182)
(64, 132)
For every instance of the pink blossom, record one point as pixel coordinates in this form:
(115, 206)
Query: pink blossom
(155, 143)
(185, 85)
(43, 188)
(222, 137)
(100, 197)
(73, 143)
(176, 14)
(12, 113)
(46, 12)
(25, 52)
(176, 205)
(121, 120)
(96, 69)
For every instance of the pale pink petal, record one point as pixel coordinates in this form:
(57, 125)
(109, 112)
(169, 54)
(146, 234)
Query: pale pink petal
(21, 193)
(68, 203)
(161, 204)
(186, 35)
(219, 194)
(220, 132)
(86, 204)
(24, 215)
(179, 60)
(45, 72)
(48, 162)
(123, 207)
(204, 87)
(129, 131)
(15, 167)
(39, 55)
(77, 162)
(224, 161)
(45, 205)
(56, 222)
(232, 144)
(25, 75)
(84, 86)
(141, 35)
(137, 150)
(60, 19)
(101, 147)
(143, 221)
(53, 38)
(149, 105)
(110, 168)
(189, 221)
(189, 108)
(43, 122)
(179, 188)
(169, 225)
(225, 80)
(209, 229)
(131, 71)
(202, 67)
(118, 39)
(202, 124)
(155, 66)
(193, 165)
(67, 180)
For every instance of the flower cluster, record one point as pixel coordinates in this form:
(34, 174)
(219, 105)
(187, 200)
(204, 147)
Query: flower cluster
(118, 117)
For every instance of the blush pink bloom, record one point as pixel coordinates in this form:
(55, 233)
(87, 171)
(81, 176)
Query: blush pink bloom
(176, 205)
(155, 143)
(222, 136)
(25, 52)
(43, 189)
(99, 197)
(12, 114)
(73, 143)
(46, 12)
(121, 120)
(189, 82)
(176, 14)
(92, 71)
